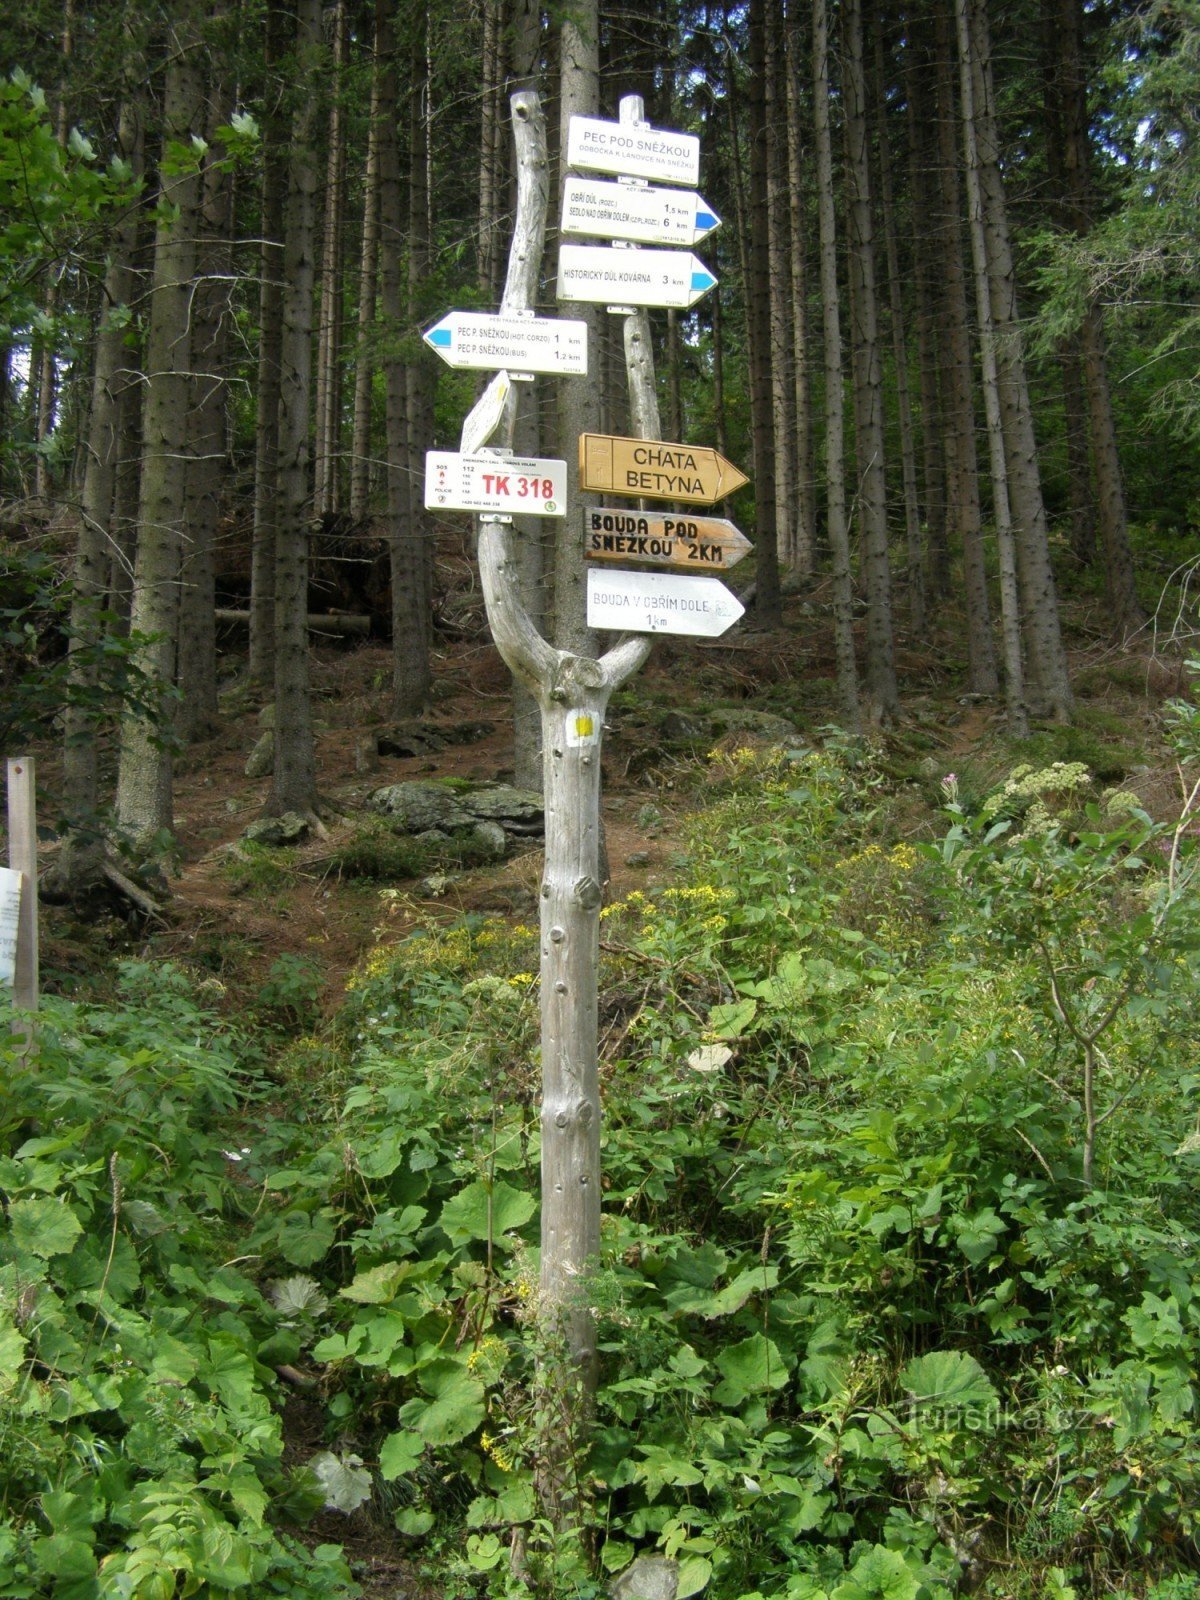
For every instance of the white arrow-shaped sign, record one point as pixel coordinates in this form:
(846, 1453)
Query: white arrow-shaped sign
(486, 341)
(486, 415)
(644, 215)
(598, 274)
(660, 602)
(640, 151)
(508, 485)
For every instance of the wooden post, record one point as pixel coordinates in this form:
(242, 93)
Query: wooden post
(22, 858)
(572, 693)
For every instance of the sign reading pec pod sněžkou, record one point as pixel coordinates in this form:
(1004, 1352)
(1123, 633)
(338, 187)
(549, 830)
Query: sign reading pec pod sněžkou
(499, 484)
(635, 149)
(487, 341)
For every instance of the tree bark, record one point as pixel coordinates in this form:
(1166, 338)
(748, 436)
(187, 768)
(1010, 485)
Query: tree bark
(579, 408)
(261, 666)
(294, 778)
(208, 468)
(835, 483)
(82, 845)
(144, 786)
(908, 448)
(411, 546)
(779, 290)
(327, 425)
(767, 596)
(804, 538)
(962, 463)
(1014, 671)
(368, 268)
(880, 678)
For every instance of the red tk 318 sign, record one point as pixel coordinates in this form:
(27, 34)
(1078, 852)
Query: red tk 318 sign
(513, 485)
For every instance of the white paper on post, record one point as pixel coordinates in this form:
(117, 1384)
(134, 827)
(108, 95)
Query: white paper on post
(10, 913)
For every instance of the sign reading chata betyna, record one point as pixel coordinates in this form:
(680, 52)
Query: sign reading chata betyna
(655, 470)
(487, 341)
(665, 539)
(10, 915)
(507, 485)
(639, 151)
(642, 214)
(660, 602)
(601, 274)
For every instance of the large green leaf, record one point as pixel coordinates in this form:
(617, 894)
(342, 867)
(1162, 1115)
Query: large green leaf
(948, 1380)
(456, 1410)
(750, 1367)
(880, 1574)
(482, 1211)
(399, 1454)
(43, 1227)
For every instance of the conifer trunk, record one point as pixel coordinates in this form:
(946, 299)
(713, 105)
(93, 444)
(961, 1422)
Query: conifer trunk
(294, 779)
(835, 484)
(144, 787)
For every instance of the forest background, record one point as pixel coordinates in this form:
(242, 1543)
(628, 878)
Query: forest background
(896, 1293)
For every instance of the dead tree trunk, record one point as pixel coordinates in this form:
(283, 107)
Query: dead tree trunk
(572, 692)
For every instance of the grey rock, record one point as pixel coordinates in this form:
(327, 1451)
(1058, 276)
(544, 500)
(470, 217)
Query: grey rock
(685, 728)
(290, 828)
(649, 817)
(492, 838)
(260, 763)
(639, 858)
(647, 1578)
(763, 724)
(517, 810)
(420, 805)
(266, 716)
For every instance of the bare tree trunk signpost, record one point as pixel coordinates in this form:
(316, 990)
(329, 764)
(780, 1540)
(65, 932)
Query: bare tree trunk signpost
(572, 692)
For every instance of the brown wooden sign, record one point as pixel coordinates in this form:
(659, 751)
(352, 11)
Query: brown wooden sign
(654, 470)
(671, 539)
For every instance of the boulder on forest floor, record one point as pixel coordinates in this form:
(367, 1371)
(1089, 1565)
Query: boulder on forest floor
(428, 803)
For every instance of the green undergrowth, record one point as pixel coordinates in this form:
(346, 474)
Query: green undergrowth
(895, 1294)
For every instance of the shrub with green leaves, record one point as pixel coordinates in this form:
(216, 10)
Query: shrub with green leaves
(141, 1447)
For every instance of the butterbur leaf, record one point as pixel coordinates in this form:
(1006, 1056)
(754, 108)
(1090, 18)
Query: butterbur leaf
(731, 1021)
(298, 1296)
(749, 1368)
(413, 1523)
(305, 1238)
(880, 1574)
(43, 1227)
(346, 1483)
(468, 1214)
(948, 1380)
(399, 1455)
(376, 1286)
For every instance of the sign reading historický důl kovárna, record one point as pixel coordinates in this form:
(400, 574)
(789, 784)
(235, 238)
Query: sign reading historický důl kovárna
(660, 602)
(499, 484)
(601, 274)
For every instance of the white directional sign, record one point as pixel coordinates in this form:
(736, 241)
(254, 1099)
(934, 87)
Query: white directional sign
(487, 341)
(642, 152)
(596, 273)
(10, 913)
(645, 215)
(508, 485)
(486, 415)
(660, 602)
